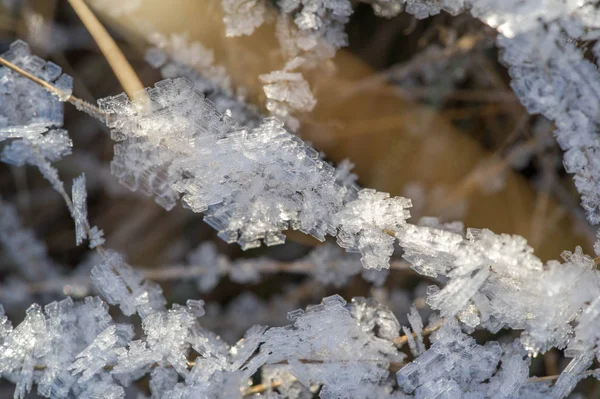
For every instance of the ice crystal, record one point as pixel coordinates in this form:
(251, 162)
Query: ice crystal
(101, 351)
(330, 337)
(287, 93)
(27, 110)
(368, 223)
(313, 29)
(126, 287)
(252, 173)
(242, 17)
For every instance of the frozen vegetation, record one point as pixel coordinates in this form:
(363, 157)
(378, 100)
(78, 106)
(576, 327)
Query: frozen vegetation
(190, 140)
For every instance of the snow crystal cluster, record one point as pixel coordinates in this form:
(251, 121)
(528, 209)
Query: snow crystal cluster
(438, 372)
(242, 17)
(312, 29)
(75, 348)
(251, 184)
(550, 73)
(552, 77)
(177, 57)
(287, 93)
(255, 181)
(337, 346)
(30, 116)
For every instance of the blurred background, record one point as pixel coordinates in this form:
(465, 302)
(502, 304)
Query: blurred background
(423, 109)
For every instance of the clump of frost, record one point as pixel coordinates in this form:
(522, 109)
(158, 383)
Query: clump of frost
(287, 93)
(30, 114)
(126, 287)
(27, 110)
(251, 184)
(242, 17)
(368, 225)
(176, 57)
(455, 366)
(311, 29)
(327, 346)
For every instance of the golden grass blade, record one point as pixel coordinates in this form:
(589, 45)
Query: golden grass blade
(119, 64)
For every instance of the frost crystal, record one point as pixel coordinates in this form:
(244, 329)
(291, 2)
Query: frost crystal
(287, 93)
(251, 184)
(375, 317)
(571, 375)
(30, 114)
(565, 89)
(313, 29)
(441, 368)
(22, 347)
(338, 352)
(101, 351)
(79, 214)
(416, 324)
(121, 285)
(176, 57)
(366, 223)
(242, 17)
(26, 109)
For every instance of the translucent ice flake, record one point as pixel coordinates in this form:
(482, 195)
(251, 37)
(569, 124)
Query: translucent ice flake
(121, 285)
(176, 56)
(167, 336)
(330, 338)
(22, 347)
(102, 351)
(312, 29)
(375, 317)
(287, 93)
(368, 224)
(548, 73)
(457, 293)
(454, 362)
(26, 107)
(242, 17)
(251, 184)
(571, 375)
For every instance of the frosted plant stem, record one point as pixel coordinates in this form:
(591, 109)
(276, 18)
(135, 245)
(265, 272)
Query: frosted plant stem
(554, 377)
(182, 272)
(80, 104)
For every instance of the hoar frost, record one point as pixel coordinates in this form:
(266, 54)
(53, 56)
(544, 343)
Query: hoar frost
(254, 183)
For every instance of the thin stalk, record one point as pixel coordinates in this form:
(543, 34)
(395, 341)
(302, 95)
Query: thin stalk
(121, 67)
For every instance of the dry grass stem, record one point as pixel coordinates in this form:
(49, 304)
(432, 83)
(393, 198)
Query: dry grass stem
(122, 69)
(401, 340)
